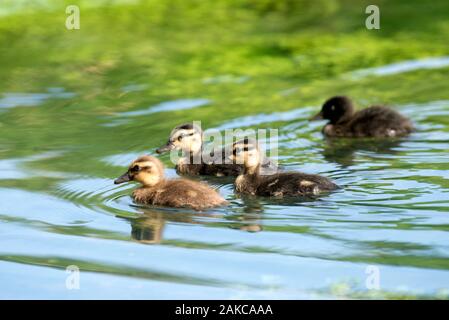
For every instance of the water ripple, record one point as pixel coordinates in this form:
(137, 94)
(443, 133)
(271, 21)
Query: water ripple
(401, 67)
(20, 99)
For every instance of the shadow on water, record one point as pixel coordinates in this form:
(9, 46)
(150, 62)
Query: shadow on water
(245, 213)
(149, 226)
(343, 151)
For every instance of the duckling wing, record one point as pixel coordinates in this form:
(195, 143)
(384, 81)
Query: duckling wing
(294, 183)
(181, 193)
(380, 121)
(222, 170)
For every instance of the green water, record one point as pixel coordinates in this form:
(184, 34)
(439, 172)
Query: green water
(77, 106)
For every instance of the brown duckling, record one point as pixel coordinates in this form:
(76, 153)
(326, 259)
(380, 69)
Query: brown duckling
(276, 185)
(177, 193)
(375, 121)
(189, 138)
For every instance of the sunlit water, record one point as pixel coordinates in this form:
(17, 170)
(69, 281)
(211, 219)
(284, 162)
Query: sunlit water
(66, 137)
(392, 213)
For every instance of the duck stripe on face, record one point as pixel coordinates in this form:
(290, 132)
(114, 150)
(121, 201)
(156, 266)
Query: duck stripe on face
(181, 134)
(185, 126)
(144, 164)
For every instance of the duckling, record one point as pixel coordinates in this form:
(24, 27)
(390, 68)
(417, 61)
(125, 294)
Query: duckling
(375, 121)
(189, 138)
(176, 193)
(276, 185)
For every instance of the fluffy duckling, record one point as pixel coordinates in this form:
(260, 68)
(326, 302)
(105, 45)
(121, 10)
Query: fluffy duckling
(277, 185)
(189, 138)
(177, 193)
(375, 121)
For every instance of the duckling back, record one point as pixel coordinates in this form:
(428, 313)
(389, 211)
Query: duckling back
(379, 121)
(285, 184)
(375, 121)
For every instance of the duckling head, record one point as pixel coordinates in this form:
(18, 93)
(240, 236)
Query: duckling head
(147, 170)
(336, 110)
(246, 152)
(186, 137)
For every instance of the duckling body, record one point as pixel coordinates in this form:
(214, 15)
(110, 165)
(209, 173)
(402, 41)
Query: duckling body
(283, 184)
(375, 121)
(188, 138)
(275, 185)
(176, 193)
(179, 193)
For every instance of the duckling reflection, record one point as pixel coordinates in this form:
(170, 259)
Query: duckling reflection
(253, 207)
(149, 228)
(251, 204)
(248, 215)
(343, 151)
(248, 222)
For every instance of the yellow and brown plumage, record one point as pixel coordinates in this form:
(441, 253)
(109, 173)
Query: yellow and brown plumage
(281, 184)
(189, 138)
(176, 193)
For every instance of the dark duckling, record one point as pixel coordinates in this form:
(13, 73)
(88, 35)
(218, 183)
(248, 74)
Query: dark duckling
(375, 121)
(189, 138)
(276, 185)
(176, 193)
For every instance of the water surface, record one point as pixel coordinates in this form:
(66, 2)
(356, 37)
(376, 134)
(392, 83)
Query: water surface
(92, 100)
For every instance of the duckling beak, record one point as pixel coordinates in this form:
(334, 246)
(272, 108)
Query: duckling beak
(168, 147)
(318, 116)
(123, 178)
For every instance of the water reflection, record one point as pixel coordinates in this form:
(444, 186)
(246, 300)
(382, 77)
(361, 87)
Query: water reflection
(149, 226)
(25, 99)
(131, 88)
(344, 151)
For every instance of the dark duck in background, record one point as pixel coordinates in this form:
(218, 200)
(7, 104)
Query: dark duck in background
(375, 121)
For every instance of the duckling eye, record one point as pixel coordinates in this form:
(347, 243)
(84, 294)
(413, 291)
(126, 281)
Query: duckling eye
(333, 108)
(179, 138)
(135, 168)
